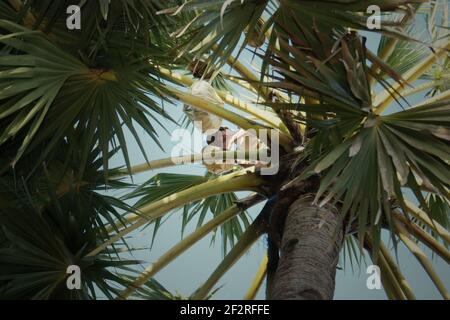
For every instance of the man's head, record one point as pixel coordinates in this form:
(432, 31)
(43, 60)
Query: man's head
(221, 138)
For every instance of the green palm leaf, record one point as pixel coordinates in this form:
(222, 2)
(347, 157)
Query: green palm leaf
(42, 84)
(395, 155)
(42, 243)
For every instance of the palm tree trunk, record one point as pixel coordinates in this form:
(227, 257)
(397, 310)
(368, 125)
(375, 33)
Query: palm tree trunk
(309, 252)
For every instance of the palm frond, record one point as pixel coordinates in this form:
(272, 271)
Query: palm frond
(223, 26)
(164, 185)
(41, 243)
(43, 85)
(395, 156)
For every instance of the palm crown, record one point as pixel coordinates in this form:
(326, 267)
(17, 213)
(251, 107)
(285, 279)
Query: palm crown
(352, 145)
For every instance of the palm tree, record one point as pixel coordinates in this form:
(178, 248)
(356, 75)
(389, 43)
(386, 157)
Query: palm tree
(357, 156)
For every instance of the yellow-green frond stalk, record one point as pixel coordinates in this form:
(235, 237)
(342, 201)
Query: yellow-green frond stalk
(183, 246)
(422, 258)
(237, 181)
(247, 239)
(258, 280)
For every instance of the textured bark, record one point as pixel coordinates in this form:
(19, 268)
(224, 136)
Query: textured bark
(309, 252)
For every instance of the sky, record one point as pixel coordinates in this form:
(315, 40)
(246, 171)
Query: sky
(191, 269)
